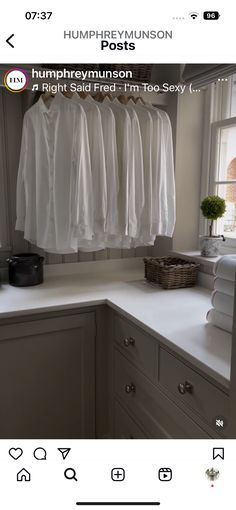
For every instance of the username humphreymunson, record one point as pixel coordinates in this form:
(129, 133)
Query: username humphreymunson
(107, 35)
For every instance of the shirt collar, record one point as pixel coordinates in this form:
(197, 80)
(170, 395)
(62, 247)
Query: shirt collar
(56, 101)
(107, 100)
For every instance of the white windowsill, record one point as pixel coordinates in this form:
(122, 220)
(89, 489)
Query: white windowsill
(196, 257)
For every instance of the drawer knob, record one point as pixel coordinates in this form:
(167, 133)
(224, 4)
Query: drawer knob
(129, 341)
(186, 387)
(130, 388)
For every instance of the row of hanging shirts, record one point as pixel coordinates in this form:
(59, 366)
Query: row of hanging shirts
(95, 175)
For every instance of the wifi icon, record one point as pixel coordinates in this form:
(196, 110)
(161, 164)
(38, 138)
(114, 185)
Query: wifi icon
(193, 15)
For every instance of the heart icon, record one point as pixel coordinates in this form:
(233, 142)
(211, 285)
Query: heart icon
(15, 453)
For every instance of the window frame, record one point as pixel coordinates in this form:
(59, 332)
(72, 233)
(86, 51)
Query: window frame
(230, 242)
(218, 104)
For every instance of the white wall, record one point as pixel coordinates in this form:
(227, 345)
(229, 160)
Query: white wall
(189, 131)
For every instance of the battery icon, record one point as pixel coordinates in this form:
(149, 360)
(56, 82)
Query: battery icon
(212, 15)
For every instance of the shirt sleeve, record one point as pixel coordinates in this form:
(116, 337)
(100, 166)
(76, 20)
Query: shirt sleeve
(20, 187)
(170, 175)
(99, 174)
(139, 184)
(138, 176)
(110, 148)
(83, 209)
(165, 182)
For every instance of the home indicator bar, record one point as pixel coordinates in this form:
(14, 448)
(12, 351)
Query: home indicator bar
(120, 503)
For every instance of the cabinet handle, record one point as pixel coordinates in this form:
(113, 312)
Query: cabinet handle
(129, 341)
(130, 388)
(186, 387)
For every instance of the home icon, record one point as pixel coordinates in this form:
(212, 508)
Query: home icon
(23, 476)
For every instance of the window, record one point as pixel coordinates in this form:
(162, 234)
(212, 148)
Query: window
(224, 183)
(222, 178)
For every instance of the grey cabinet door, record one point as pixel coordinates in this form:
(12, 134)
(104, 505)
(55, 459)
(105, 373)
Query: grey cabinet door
(47, 378)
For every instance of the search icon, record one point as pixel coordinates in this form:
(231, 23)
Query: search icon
(70, 474)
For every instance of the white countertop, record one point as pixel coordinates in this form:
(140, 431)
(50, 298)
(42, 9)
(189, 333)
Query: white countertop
(176, 317)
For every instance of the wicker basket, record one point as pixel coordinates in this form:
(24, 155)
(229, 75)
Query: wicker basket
(170, 272)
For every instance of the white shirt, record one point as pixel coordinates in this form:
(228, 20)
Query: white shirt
(130, 170)
(124, 155)
(163, 178)
(98, 162)
(111, 158)
(54, 185)
(100, 241)
(169, 185)
(136, 179)
(146, 129)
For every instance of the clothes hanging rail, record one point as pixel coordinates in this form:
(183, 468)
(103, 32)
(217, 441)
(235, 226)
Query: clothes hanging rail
(110, 165)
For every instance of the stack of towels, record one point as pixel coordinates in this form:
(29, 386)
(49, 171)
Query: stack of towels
(221, 315)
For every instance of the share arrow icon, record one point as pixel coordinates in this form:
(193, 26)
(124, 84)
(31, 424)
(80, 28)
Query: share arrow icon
(64, 452)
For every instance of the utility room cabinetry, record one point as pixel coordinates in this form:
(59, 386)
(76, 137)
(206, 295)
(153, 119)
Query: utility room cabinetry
(47, 377)
(158, 395)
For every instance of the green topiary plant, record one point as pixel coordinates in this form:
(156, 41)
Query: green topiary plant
(213, 207)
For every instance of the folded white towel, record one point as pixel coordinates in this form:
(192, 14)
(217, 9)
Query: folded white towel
(221, 320)
(225, 286)
(226, 267)
(222, 302)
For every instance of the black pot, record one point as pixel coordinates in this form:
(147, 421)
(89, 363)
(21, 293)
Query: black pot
(25, 269)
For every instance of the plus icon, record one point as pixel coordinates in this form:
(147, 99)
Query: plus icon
(117, 474)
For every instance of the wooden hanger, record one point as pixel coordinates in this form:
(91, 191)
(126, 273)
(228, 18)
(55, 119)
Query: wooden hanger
(99, 96)
(46, 96)
(107, 94)
(68, 94)
(83, 94)
(131, 98)
(122, 98)
(139, 98)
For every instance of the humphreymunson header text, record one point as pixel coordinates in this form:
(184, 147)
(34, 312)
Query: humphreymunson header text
(107, 36)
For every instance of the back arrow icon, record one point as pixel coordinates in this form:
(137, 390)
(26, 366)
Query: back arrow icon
(8, 40)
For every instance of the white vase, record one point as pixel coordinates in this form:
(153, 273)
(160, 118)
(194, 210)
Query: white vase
(210, 246)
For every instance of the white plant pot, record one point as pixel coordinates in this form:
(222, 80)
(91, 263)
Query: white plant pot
(210, 246)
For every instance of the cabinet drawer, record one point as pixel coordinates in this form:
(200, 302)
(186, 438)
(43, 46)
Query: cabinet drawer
(157, 415)
(201, 395)
(140, 348)
(124, 426)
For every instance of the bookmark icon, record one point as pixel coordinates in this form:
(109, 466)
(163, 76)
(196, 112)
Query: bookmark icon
(64, 452)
